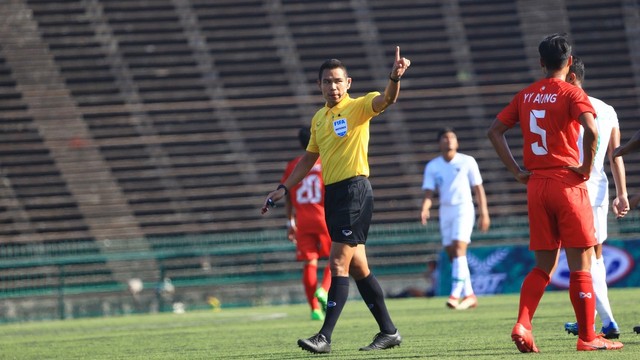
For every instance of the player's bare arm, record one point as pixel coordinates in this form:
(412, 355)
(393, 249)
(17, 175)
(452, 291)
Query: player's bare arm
(391, 92)
(620, 205)
(630, 146)
(291, 219)
(426, 207)
(634, 201)
(483, 210)
(496, 135)
(299, 172)
(589, 145)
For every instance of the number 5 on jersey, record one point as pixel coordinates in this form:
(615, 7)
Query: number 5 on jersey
(539, 147)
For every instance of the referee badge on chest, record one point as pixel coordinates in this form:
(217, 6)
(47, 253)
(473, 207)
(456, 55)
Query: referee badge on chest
(340, 127)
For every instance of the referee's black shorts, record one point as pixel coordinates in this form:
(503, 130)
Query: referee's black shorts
(348, 207)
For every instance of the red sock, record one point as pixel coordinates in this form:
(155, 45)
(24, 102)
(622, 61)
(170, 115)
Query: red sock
(530, 294)
(583, 299)
(326, 278)
(310, 282)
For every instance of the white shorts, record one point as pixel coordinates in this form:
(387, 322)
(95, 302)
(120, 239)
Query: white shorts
(456, 223)
(600, 222)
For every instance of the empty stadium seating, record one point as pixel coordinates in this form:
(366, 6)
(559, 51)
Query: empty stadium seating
(190, 101)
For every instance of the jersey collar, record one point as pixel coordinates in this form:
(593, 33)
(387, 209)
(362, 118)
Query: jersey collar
(339, 106)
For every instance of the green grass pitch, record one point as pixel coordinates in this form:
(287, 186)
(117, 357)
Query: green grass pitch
(429, 329)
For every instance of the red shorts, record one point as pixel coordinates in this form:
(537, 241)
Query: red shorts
(311, 246)
(560, 215)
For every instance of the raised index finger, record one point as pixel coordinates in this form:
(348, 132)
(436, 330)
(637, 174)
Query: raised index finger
(397, 53)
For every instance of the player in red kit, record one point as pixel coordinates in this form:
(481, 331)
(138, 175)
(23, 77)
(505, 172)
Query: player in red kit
(550, 112)
(307, 229)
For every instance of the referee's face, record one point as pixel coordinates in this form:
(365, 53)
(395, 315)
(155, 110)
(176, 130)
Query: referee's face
(334, 85)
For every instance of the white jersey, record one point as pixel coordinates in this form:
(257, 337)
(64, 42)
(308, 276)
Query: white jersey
(453, 179)
(606, 121)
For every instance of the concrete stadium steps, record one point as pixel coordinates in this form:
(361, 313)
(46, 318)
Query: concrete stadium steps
(9, 98)
(189, 101)
(38, 206)
(68, 31)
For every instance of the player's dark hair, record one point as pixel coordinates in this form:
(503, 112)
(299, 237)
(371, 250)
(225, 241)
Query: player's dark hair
(443, 131)
(577, 67)
(555, 51)
(304, 134)
(330, 65)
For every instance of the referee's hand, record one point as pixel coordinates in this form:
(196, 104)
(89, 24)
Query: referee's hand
(271, 199)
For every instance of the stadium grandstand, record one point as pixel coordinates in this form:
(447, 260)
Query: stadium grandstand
(139, 138)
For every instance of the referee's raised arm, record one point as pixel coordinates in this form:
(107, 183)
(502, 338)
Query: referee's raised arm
(391, 92)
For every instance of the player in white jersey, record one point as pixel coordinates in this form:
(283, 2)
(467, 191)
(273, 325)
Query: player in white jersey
(598, 187)
(453, 175)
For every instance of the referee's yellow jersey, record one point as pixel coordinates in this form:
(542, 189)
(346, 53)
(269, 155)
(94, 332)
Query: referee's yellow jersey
(341, 136)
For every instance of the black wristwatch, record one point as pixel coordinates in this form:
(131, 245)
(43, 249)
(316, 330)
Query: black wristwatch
(281, 186)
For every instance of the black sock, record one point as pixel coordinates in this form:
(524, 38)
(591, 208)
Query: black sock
(337, 297)
(373, 296)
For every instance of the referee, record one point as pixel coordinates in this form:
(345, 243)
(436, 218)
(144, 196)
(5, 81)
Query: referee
(340, 136)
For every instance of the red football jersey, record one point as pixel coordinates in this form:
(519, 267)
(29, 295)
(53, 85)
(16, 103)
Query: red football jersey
(307, 199)
(548, 112)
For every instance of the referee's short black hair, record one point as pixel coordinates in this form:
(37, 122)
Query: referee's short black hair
(443, 131)
(331, 64)
(304, 134)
